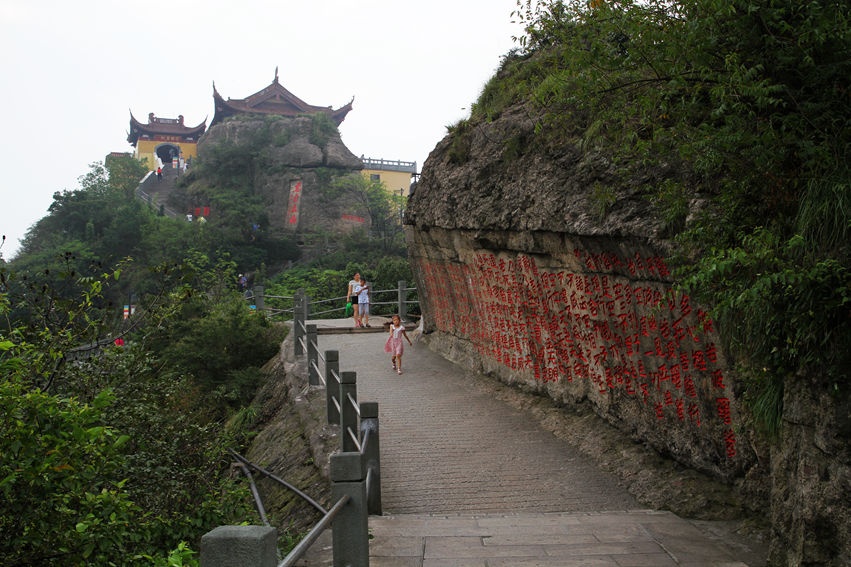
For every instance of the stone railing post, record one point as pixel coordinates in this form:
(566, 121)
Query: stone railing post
(372, 455)
(305, 305)
(348, 413)
(332, 368)
(403, 308)
(239, 546)
(350, 536)
(259, 304)
(312, 356)
(299, 319)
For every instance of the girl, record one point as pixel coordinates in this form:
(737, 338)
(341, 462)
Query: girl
(397, 331)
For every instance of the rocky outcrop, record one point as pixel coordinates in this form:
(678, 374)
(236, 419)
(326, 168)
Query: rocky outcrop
(811, 477)
(296, 141)
(292, 163)
(544, 266)
(294, 443)
(529, 278)
(486, 178)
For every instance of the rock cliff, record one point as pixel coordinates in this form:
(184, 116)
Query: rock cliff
(546, 267)
(528, 277)
(291, 164)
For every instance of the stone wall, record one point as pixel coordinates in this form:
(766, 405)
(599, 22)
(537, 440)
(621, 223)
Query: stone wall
(586, 320)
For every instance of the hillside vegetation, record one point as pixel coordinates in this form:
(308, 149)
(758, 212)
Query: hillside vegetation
(115, 430)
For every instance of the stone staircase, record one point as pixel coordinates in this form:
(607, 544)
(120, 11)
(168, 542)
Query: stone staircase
(155, 191)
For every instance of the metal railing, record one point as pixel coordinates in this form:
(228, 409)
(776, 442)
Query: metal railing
(284, 306)
(153, 202)
(390, 165)
(355, 470)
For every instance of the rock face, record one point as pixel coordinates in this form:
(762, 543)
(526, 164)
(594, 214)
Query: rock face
(526, 279)
(547, 270)
(291, 168)
(811, 477)
(294, 443)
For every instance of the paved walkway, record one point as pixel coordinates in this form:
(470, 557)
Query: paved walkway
(468, 480)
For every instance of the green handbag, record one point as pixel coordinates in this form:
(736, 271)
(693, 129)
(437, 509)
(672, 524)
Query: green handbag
(349, 309)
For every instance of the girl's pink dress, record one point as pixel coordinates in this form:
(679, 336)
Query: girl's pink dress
(395, 340)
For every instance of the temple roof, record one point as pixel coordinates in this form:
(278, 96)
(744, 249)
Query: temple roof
(274, 99)
(164, 127)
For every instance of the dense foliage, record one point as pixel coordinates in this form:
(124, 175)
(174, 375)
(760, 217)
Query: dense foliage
(745, 105)
(117, 455)
(114, 455)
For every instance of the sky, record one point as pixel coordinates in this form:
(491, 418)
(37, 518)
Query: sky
(72, 72)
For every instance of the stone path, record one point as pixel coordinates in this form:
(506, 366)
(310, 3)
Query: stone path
(468, 480)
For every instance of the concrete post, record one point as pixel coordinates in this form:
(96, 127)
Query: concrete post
(332, 388)
(312, 356)
(305, 305)
(259, 303)
(348, 414)
(239, 546)
(403, 308)
(372, 455)
(350, 535)
(298, 322)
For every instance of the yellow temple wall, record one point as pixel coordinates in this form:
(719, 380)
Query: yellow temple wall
(146, 149)
(393, 180)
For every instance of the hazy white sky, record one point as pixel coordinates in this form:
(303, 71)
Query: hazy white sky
(71, 73)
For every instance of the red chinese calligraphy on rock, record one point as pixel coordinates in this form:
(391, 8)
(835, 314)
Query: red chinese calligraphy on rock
(633, 338)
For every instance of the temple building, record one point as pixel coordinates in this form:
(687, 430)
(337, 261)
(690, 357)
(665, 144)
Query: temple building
(398, 176)
(274, 99)
(163, 141)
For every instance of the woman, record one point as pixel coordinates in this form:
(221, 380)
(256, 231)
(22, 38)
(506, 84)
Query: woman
(351, 294)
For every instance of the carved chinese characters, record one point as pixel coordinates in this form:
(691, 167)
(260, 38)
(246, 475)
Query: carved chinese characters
(611, 330)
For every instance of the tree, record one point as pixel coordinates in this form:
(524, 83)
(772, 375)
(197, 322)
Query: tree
(63, 499)
(116, 458)
(382, 206)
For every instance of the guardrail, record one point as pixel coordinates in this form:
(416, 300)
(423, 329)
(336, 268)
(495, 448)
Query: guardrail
(333, 308)
(355, 471)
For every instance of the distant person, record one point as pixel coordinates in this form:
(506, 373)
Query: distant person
(353, 299)
(395, 345)
(362, 291)
(243, 282)
(160, 173)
